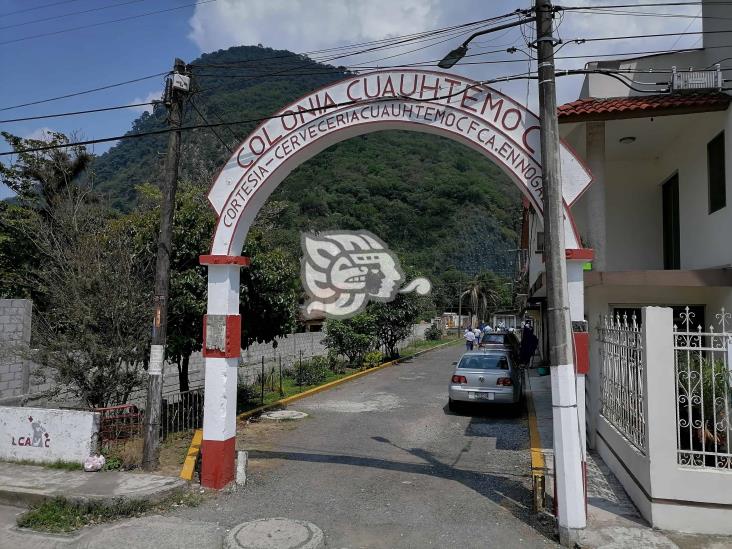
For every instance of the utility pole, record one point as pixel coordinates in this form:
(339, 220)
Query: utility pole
(567, 450)
(176, 90)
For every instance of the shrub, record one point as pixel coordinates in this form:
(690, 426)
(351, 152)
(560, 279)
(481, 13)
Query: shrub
(352, 337)
(311, 372)
(433, 333)
(372, 359)
(336, 363)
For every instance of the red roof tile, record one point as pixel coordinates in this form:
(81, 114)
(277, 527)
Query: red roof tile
(640, 106)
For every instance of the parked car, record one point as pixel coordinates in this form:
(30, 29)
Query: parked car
(499, 340)
(491, 376)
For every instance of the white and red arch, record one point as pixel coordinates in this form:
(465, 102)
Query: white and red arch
(425, 101)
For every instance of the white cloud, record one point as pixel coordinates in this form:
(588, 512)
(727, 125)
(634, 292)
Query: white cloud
(41, 134)
(304, 25)
(152, 96)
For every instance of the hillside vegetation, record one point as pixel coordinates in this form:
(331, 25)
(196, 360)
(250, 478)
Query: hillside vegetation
(442, 206)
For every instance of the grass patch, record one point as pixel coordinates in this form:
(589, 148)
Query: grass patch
(60, 515)
(58, 464)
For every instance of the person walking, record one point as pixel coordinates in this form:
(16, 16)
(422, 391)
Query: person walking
(477, 332)
(469, 339)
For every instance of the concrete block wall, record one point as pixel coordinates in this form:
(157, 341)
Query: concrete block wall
(15, 333)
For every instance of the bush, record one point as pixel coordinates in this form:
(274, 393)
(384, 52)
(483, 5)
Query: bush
(372, 359)
(312, 372)
(433, 333)
(336, 363)
(352, 337)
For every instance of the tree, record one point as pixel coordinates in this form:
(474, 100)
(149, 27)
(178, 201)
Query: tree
(90, 285)
(44, 178)
(352, 337)
(269, 294)
(269, 286)
(482, 294)
(93, 334)
(17, 253)
(393, 321)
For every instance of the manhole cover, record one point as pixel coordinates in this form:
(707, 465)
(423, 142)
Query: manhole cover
(281, 415)
(275, 533)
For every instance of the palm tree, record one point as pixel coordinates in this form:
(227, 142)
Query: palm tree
(482, 295)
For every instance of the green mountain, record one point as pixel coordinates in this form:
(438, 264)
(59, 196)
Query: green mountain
(436, 202)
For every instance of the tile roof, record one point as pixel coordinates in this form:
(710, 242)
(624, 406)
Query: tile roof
(612, 108)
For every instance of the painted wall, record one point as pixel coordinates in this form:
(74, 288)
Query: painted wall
(599, 300)
(47, 435)
(704, 236)
(668, 495)
(633, 195)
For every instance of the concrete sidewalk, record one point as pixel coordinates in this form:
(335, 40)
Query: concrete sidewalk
(23, 485)
(612, 519)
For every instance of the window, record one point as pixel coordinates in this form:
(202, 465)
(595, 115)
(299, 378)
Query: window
(717, 179)
(484, 362)
(539, 242)
(671, 230)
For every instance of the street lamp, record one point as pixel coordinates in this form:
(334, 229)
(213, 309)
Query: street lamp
(453, 57)
(458, 53)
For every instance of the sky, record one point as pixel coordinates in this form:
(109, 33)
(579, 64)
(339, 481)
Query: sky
(56, 47)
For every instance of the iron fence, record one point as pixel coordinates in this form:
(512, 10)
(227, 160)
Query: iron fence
(181, 411)
(622, 377)
(119, 424)
(702, 373)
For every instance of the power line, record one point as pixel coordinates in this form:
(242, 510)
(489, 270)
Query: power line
(314, 109)
(386, 42)
(636, 36)
(121, 19)
(213, 130)
(70, 14)
(74, 94)
(75, 113)
(36, 8)
(391, 42)
(647, 5)
(592, 11)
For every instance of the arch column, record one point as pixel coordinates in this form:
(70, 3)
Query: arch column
(221, 351)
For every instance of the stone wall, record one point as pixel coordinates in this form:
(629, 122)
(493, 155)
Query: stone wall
(25, 384)
(15, 333)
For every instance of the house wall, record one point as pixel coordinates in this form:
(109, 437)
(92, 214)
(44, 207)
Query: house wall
(704, 236)
(633, 193)
(633, 216)
(668, 495)
(599, 301)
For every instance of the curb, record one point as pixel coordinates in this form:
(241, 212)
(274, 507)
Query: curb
(538, 465)
(34, 498)
(186, 472)
(189, 464)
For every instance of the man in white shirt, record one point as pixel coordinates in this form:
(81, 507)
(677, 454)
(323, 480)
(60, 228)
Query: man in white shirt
(469, 339)
(478, 335)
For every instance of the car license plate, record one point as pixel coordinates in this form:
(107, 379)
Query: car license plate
(481, 396)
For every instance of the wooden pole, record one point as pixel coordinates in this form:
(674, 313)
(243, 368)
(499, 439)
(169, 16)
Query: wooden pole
(168, 185)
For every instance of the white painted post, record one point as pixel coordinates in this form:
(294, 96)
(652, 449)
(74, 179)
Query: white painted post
(596, 224)
(219, 413)
(659, 394)
(576, 287)
(241, 467)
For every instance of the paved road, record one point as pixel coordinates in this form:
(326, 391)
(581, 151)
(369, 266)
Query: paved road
(380, 462)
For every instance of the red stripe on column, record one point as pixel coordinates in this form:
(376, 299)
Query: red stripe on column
(582, 352)
(218, 462)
